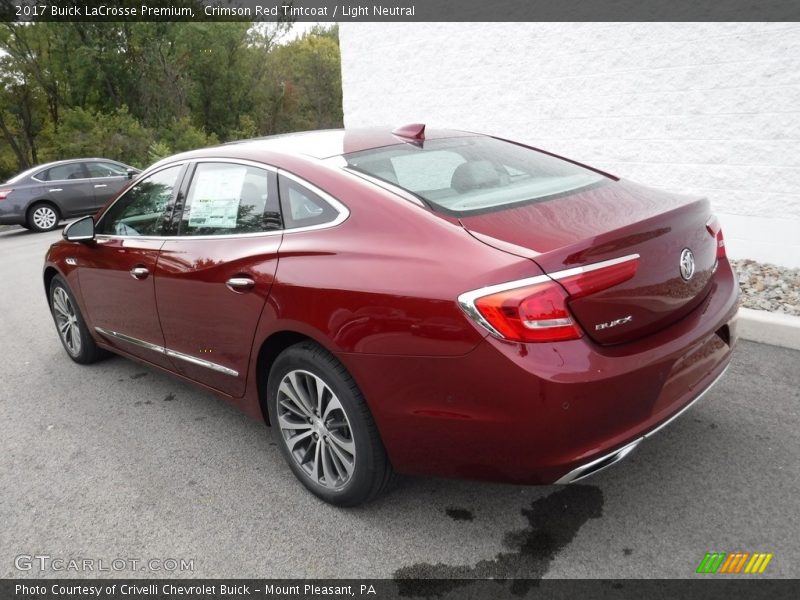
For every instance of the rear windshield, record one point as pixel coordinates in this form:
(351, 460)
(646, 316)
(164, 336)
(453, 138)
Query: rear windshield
(468, 175)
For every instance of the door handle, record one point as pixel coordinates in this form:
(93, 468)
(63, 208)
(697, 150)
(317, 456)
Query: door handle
(56, 190)
(98, 185)
(140, 272)
(240, 284)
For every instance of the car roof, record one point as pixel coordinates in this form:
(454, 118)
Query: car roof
(67, 161)
(323, 143)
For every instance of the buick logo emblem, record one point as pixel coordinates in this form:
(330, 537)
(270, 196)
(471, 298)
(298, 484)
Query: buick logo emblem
(687, 264)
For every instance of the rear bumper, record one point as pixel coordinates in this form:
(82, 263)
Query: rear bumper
(598, 464)
(11, 219)
(536, 413)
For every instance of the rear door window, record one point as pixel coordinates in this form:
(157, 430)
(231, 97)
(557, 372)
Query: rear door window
(230, 198)
(64, 172)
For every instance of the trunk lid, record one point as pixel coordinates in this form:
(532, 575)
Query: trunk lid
(605, 223)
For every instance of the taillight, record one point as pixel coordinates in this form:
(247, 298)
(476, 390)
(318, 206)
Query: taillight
(5, 192)
(588, 280)
(715, 229)
(535, 309)
(532, 313)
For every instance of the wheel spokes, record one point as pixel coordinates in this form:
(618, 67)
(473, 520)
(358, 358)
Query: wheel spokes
(346, 445)
(66, 321)
(293, 397)
(315, 428)
(346, 462)
(296, 439)
(59, 304)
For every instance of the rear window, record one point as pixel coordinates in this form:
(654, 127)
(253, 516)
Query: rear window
(468, 175)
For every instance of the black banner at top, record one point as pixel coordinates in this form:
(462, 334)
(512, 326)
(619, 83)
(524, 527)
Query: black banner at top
(400, 10)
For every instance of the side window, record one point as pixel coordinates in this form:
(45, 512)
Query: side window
(144, 208)
(301, 207)
(104, 169)
(61, 172)
(230, 198)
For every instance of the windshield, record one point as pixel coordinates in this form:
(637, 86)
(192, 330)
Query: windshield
(465, 175)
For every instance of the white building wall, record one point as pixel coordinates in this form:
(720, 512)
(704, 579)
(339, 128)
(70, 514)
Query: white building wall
(707, 108)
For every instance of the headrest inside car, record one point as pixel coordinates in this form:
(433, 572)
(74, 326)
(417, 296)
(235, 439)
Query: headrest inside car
(474, 175)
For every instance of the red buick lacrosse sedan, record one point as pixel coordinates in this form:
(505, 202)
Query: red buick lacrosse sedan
(426, 302)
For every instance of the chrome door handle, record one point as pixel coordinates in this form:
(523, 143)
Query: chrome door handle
(139, 272)
(100, 185)
(238, 284)
(56, 190)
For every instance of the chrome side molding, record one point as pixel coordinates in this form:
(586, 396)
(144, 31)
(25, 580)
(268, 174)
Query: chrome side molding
(203, 363)
(130, 340)
(162, 350)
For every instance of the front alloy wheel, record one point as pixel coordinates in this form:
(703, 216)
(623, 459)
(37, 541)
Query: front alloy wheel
(66, 321)
(324, 428)
(72, 330)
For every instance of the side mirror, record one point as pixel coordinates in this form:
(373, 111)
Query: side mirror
(81, 230)
(131, 173)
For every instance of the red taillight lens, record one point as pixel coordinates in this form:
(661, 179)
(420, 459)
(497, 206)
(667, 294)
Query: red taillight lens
(713, 227)
(5, 192)
(589, 281)
(535, 310)
(534, 313)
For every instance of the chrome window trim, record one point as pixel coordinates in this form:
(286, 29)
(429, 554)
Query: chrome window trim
(343, 213)
(162, 350)
(341, 209)
(386, 185)
(235, 161)
(467, 300)
(70, 162)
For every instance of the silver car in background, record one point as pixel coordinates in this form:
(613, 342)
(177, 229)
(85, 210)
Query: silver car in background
(42, 196)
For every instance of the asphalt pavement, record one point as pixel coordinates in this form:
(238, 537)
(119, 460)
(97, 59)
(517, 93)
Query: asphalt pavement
(115, 461)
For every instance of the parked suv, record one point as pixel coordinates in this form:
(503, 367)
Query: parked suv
(42, 196)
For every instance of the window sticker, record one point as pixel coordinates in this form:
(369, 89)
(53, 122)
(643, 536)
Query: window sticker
(216, 194)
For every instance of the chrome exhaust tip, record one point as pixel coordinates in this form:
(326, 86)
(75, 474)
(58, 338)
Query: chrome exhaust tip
(599, 464)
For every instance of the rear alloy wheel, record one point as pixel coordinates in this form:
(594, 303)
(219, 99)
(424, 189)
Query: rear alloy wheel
(72, 330)
(43, 217)
(324, 428)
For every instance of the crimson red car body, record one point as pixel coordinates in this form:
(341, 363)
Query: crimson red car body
(379, 290)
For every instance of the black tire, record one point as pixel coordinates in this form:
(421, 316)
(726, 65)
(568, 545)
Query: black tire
(62, 302)
(371, 471)
(42, 217)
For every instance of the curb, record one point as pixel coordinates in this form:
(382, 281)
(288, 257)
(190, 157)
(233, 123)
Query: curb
(776, 329)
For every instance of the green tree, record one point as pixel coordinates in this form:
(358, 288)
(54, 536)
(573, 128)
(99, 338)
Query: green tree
(130, 90)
